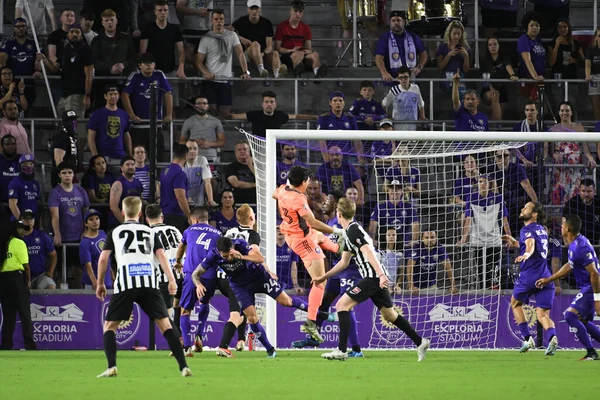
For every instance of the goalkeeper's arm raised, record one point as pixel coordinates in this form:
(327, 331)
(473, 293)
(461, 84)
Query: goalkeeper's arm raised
(320, 226)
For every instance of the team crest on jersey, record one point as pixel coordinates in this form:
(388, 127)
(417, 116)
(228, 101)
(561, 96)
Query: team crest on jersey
(100, 244)
(347, 124)
(38, 240)
(113, 126)
(11, 192)
(480, 121)
(72, 211)
(318, 250)
(373, 108)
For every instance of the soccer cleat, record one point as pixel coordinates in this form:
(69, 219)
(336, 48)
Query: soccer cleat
(109, 373)
(188, 352)
(336, 354)
(591, 355)
(313, 330)
(332, 317)
(264, 73)
(307, 342)
(551, 350)
(198, 344)
(224, 353)
(356, 354)
(422, 349)
(527, 345)
(240, 345)
(186, 372)
(271, 353)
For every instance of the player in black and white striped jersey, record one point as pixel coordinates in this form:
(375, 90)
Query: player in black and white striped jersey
(170, 238)
(135, 247)
(374, 284)
(246, 218)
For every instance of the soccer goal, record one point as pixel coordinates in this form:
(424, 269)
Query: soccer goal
(434, 205)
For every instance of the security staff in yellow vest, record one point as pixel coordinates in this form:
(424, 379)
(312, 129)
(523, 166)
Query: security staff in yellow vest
(15, 280)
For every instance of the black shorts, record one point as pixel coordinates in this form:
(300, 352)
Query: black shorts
(164, 292)
(368, 288)
(498, 18)
(287, 60)
(218, 93)
(150, 300)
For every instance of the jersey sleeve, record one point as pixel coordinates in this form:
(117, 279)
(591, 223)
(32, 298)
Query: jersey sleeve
(20, 251)
(300, 205)
(210, 261)
(14, 189)
(53, 199)
(357, 236)
(48, 245)
(254, 238)
(184, 236)
(110, 243)
(157, 242)
(85, 255)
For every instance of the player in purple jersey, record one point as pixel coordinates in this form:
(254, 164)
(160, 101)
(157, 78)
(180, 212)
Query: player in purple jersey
(196, 243)
(533, 249)
(583, 261)
(243, 265)
(338, 284)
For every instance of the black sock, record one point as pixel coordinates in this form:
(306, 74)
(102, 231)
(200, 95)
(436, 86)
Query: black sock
(175, 347)
(405, 327)
(344, 321)
(110, 348)
(176, 317)
(228, 333)
(241, 330)
(356, 349)
(175, 328)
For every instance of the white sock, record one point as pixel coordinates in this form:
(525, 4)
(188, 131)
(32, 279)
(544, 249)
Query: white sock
(260, 67)
(276, 73)
(316, 70)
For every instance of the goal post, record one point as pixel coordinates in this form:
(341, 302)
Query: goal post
(415, 145)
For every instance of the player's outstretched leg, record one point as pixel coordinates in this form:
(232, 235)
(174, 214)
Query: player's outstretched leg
(390, 315)
(186, 326)
(315, 268)
(323, 315)
(327, 244)
(174, 345)
(572, 318)
(593, 330)
(241, 333)
(232, 324)
(517, 308)
(353, 337)
(110, 349)
(203, 312)
(543, 316)
(259, 331)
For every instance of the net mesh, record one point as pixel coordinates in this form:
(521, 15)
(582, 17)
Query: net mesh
(436, 213)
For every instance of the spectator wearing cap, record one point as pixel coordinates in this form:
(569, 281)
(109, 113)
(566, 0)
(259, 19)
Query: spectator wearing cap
(206, 130)
(406, 102)
(86, 19)
(164, 40)
(136, 101)
(24, 192)
(174, 187)
(380, 150)
(126, 185)
(65, 146)
(19, 53)
(77, 71)
(269, 117)
(38, 9)
(337, 119)
(339, 174)
(113, 53)
(42, 254)
(256, 36)
(365, 109)
(399, 47)
(11, 90)
(92, 243)
(214, 61)
(10, 124)
(108, 128)
(9, 168)
(397, 214)
(293, 41)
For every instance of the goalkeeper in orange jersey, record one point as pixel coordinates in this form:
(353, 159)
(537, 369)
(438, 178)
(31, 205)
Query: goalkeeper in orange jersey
(304, 235)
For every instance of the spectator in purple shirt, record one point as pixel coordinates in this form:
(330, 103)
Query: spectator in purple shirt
(173, 190)
(9, 168)
(24, 192)
(224, 218)
(365, 109)
(454, 53)
(532, 55)
(399, 47)
(530, 155)
(42, 255)
(126, 185)
(422, 265)
(338, 174)
(289, 159)
(467, 117)
(92, 243)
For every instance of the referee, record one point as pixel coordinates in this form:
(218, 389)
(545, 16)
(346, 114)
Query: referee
(15, 280)
(135, 247)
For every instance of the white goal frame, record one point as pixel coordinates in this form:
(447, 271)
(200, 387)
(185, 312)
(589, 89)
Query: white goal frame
(272, 135)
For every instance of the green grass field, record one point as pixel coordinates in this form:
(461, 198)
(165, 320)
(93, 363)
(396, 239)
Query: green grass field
(299, 375)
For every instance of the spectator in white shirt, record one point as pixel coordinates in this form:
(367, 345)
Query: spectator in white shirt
(199, 177)
(406, 102)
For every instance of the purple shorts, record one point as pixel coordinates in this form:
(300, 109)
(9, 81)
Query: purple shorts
(584, 304)
(543, 297)
(260, 282)
(188, 292)
(333, 285)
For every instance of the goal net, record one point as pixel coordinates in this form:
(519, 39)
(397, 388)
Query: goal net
(435, 211)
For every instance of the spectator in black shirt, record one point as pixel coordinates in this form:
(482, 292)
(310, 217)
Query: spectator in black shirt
(240, 174)
(269, 117)
(586, 206)
(97, 7)
(163, 40)
(64, 145)
(56, 45)
(256, 36)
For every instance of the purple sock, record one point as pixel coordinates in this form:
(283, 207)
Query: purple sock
(593, 330)
(261, 335)
(299, 304)
(185, 325)
(551, 332)
(353, 334)
(202, 317)
(580, 329)
(524, 328)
